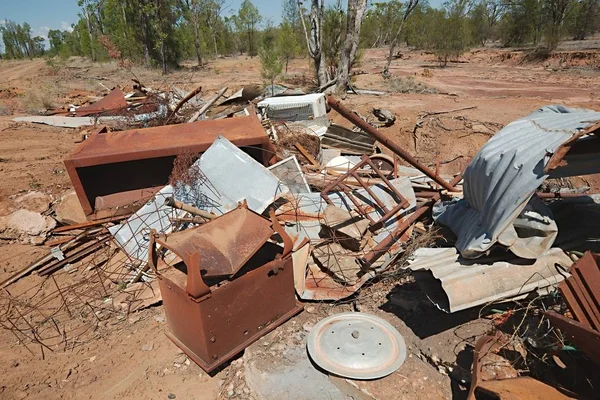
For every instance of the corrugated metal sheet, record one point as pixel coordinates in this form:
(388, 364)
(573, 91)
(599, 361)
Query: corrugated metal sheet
(453, 283)
(502, 178)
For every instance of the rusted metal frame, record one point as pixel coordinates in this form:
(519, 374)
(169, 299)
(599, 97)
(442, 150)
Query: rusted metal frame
(387, 213)
(557, 158)
(356, 120)
(582, 291)
(383, 246)
(158, 143)
(377, 171)
(586, 339)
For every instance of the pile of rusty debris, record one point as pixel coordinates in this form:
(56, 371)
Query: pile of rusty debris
(250, 212)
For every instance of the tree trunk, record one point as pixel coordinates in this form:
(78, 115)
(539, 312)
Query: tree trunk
(145, 39)
(86, 14)
(356, 11)
(313, 38)
(197, 40)
(410, 6)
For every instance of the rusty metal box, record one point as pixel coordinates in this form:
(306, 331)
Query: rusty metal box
(110, 170)
(231, 288)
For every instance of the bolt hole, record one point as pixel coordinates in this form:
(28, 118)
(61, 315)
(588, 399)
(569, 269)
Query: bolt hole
(371, 327)
(338, 348)
(332, 332)
(380, 344)
(363, 354)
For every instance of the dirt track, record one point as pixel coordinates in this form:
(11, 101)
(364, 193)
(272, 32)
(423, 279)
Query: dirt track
(118, 363)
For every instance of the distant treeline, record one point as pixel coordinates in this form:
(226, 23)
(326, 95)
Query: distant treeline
(161, 33)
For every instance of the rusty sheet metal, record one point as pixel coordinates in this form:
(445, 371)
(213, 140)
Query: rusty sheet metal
(582, 290)
(113, 101)
(584, 338)
(484, 345)
(507, 389)
(213, 322)
(453, 283)
(388, 213)
(226, 243)
(524, 387)
(115, 162)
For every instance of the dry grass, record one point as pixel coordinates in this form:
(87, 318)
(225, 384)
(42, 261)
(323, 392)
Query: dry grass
(409, 85)
(39, 101)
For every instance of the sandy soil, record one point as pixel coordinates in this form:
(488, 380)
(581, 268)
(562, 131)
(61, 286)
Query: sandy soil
(129, 357)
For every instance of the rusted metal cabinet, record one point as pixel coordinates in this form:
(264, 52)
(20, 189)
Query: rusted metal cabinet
(110, 170)
(212, 323)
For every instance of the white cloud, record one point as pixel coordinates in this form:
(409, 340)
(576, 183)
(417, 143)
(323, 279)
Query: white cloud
(41, 31)
(65, 26)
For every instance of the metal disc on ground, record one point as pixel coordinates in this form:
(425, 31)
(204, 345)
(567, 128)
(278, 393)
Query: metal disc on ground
(356, 345)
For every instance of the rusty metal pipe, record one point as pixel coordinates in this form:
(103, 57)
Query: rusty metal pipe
(172, 202)
(356, 120)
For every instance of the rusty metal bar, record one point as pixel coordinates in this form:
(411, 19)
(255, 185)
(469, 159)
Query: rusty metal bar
(172, 202)
(356, 120)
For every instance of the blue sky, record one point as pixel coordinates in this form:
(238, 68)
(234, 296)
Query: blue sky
(44, 15)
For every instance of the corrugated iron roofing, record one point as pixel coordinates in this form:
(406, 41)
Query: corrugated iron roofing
(503, 176)
(453, 283)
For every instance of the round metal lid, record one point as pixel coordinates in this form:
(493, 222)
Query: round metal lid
(356, 345)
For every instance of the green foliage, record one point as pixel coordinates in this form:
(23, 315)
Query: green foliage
(246, 23)
(271, 64)
(18, 42)
(288, 46)
(380, 23)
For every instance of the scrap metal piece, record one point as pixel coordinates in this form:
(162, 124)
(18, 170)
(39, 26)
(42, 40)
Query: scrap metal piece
(453, 283)
(114, 101)
(523, 387)
(484, 345)
(338, 184)
(348, 140)
(582, 290)
(356, 346)
(225, 243)
(586, 339)
(294, 108)
(133, 236)
(230, 176)
(359, 122)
